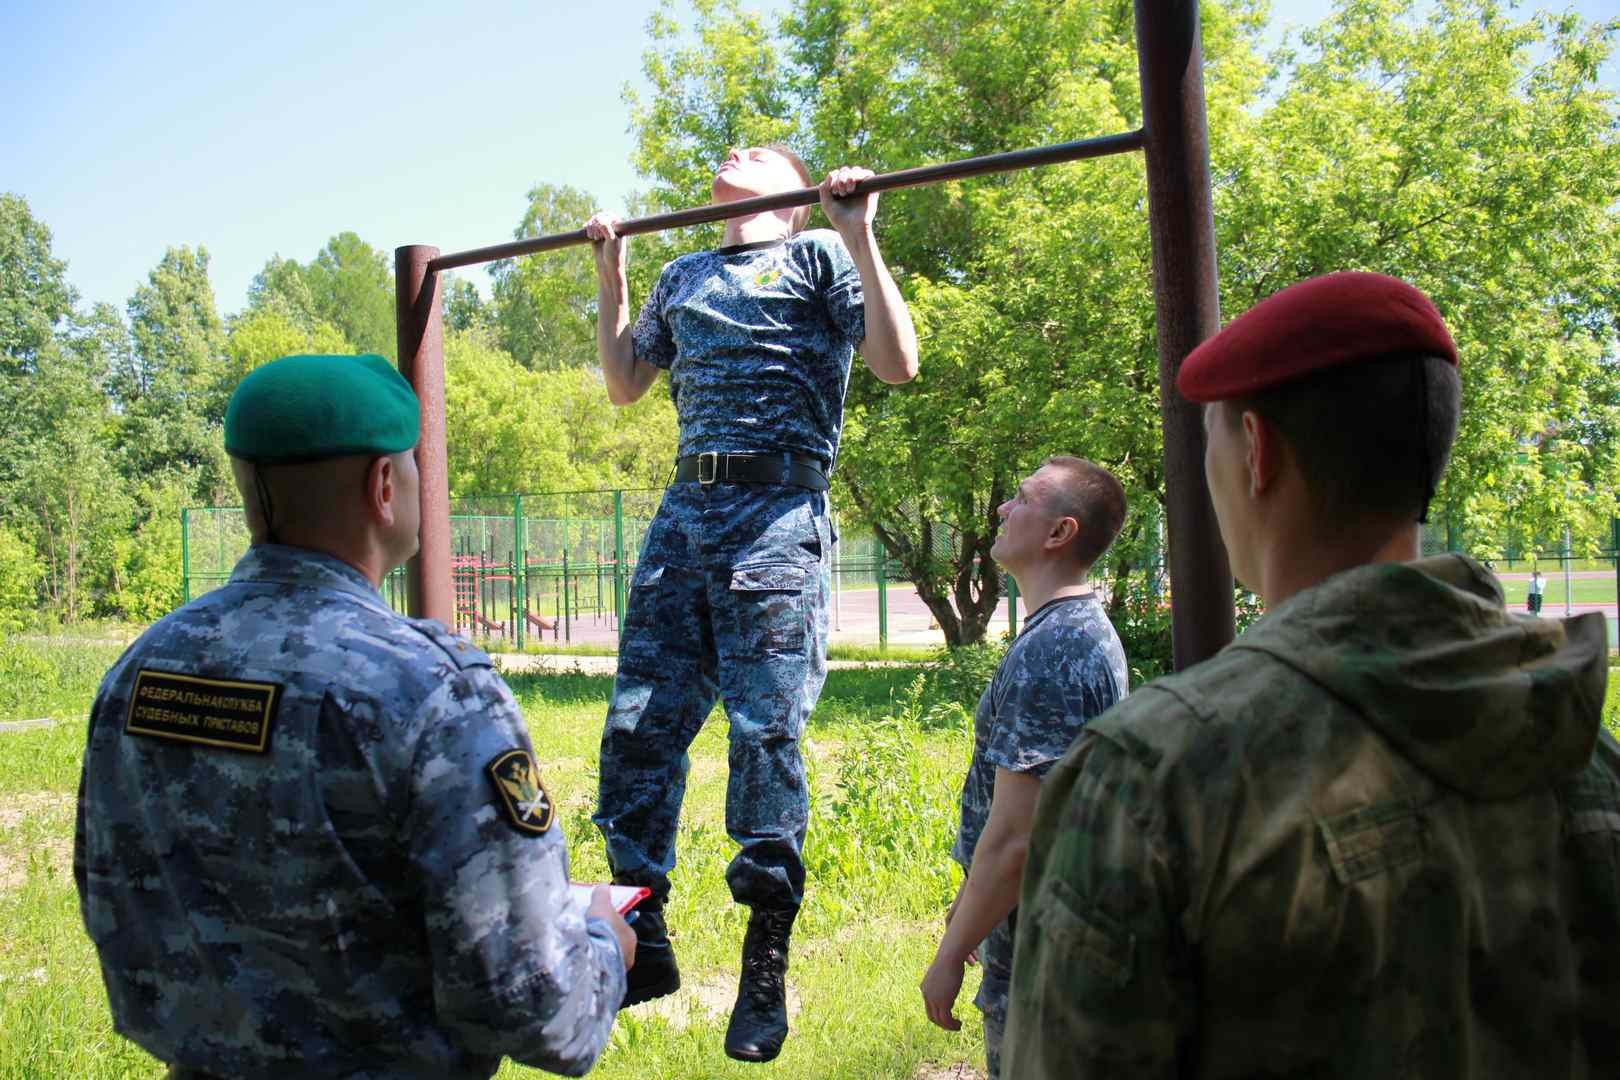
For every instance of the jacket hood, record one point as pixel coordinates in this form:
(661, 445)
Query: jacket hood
(1488, 703)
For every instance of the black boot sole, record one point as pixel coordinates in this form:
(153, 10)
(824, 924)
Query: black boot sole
(739, 1054)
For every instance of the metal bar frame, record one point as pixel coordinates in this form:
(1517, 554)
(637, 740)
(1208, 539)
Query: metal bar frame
(1174, 136)
(702, 215)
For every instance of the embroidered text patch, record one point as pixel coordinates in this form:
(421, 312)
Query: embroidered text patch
(226, 713)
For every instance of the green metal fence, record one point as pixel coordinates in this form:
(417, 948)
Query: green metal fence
(553, 566)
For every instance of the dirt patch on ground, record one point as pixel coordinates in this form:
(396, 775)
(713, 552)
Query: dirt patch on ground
(710, 995)
(947, 1072)
(57, 851)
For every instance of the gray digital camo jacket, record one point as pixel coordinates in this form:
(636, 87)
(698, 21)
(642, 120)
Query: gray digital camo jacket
(1377, 836)
(758, 340)
(313, 840)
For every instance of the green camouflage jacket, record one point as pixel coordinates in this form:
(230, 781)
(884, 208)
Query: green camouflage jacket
(1377, 836)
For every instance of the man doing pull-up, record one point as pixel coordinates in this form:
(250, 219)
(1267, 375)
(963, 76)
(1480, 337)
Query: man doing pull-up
(729, 597)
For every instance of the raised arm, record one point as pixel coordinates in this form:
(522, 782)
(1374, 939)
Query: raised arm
(626, 377)
(890, 345)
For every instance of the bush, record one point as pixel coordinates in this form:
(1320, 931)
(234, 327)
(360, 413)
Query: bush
(20, 571)
(27, 679)
(879, 833)
(958, 676)
(1143, 624)
(52, 677)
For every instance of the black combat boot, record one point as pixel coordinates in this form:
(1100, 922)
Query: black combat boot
(759, 1019)
(654, 973)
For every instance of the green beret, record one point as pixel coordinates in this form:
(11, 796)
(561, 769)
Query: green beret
(307, 408)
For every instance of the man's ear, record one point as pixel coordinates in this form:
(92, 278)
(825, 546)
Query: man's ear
(382, 490)
(1263, 453)
(1064, 529)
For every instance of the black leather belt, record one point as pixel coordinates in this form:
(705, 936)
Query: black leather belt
(782, 468)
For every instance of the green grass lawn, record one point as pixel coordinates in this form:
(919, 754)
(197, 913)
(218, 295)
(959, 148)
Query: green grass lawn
(886, 753)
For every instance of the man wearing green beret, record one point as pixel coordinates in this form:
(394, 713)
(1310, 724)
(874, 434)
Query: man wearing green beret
(1379, 834)
(313, 838)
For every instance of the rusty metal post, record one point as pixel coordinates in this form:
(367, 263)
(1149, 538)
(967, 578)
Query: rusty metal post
(421, 359)
(1182, 224)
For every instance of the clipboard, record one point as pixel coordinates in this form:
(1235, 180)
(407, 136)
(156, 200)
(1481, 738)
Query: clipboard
(624, 897)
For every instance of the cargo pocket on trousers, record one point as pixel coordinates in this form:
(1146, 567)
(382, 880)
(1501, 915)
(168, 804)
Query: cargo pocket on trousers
(769, 601)
(640, 642)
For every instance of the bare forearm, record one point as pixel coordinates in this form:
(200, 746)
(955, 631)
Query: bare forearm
(613, 347)
(988, 896)
(890, 347)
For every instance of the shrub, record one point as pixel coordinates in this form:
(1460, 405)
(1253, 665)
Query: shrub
(20, 572)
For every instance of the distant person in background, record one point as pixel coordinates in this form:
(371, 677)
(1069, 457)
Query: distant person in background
(1537, 588)
(1066, 667)
(1376, 836)
(312, 838)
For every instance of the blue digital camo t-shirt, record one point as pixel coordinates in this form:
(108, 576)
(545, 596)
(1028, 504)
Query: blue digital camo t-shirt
(1067, 667)
(758, 340)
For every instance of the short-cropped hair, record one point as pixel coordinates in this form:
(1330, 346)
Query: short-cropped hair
(1092, 496)
(1372, 438)
(801, 214)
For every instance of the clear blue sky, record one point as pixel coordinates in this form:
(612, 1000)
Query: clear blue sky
(255, 131)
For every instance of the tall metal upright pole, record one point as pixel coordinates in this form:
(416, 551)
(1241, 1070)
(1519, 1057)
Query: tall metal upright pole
(420, 324)
(1182, 224)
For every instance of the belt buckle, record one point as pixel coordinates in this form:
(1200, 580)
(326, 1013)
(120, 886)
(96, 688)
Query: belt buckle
(712, 458)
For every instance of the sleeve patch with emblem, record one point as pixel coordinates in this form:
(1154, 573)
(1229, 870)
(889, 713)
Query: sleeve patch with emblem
(517, 783)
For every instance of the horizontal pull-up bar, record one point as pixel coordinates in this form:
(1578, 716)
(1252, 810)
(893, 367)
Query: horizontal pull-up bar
(924, 174)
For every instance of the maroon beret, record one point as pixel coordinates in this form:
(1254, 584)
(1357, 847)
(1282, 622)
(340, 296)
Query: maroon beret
(1321, 322)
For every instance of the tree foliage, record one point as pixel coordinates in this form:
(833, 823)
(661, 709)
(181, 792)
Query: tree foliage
(544, 304)
(1456, 143)
(1464, 150)
(1475, 156)
(348, 289)
(173, 395)
(516, 430)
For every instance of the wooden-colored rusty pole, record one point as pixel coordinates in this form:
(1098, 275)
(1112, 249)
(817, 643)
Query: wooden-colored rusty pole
(421, 359)
(1182, 225)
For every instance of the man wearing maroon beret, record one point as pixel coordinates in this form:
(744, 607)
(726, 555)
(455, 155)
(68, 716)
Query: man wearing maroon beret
(1379, 834)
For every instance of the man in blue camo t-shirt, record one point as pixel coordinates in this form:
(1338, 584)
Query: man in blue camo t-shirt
(313, 838)
(1065, 668)
(729, 599)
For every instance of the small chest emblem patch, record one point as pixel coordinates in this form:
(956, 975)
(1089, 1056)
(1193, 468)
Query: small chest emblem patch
(766, 278)
(517, 783)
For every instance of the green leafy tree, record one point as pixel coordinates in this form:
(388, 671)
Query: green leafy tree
(283, 287)
(70, 488)
(348, 287)
(464, 307)
(173, 397)
(20, 573)
(34, 293)
(544, 303)
(258, 336)
(1441, 148)
(352, 285)
(1474, 155)
(516, 430)
(35, 298)
(145, 574)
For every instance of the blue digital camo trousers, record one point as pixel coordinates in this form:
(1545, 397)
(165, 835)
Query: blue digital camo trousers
(728, 602)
